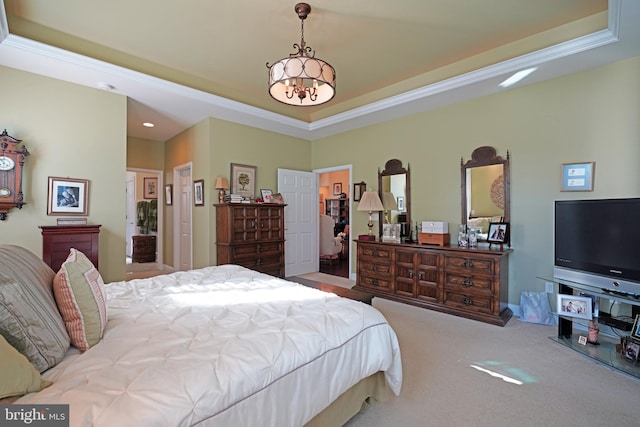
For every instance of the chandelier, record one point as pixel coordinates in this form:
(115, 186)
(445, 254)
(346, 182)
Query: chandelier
(301, 78)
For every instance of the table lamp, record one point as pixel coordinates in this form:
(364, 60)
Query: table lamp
(221, 185)
(370, 201)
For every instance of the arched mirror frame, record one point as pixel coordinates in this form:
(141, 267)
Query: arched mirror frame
(394, 167)
(485, 156)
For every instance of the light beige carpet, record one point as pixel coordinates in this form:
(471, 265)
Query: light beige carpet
(443, 388)
(330, 279)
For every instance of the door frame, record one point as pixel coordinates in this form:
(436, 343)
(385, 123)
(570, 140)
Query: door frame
(160, 231)
(349, 167)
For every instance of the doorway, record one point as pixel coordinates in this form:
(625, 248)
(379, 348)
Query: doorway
(143, 234)
(334, 198)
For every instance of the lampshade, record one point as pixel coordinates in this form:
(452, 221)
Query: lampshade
(222, 183)
(301, 79)
(389, 201)
(370, 202)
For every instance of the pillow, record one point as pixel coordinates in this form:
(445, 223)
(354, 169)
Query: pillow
(79, 292)
(17, 375)
(29, 318)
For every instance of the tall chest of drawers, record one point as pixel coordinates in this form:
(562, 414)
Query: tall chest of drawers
(57, 240)
(251, 235)
(471, 283)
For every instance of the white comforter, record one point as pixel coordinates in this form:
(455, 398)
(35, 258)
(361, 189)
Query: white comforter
(221, 346)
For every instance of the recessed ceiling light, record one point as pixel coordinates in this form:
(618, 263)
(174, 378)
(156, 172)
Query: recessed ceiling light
(105, 86)
(517, 77)
(148, 124)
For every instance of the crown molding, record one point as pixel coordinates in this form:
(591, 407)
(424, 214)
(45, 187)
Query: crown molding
(188, 106)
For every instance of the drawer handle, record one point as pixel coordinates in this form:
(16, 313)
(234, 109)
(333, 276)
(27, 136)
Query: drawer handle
(410, 274)
(375, 252)
(467, 300)
(374, 282)
(468, 263)
(258, 249)
(258, 262)
(467, 282)
(421, 275)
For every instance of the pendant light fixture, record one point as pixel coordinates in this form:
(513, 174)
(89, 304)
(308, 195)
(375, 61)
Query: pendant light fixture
(301, 79)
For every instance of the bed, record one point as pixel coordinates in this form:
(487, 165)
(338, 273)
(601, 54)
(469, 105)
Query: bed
(223, 346)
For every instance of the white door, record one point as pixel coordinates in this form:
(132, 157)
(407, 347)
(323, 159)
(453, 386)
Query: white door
(182, 225)
(131, 211)
(300, 193)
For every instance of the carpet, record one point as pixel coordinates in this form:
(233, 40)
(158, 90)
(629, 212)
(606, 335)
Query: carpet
(328, 278)
(460, 372)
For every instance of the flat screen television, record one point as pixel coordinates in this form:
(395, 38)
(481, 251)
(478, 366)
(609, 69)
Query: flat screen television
(597, 242)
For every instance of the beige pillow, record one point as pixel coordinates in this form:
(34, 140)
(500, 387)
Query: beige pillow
(29, 318)
(17, 375)
(79, 292)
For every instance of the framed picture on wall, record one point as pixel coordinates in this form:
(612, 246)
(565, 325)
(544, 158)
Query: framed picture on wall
(337, 188)
(198, 192)
(358, 190)
(578, 176)
(168, 194)
(150, 190)
(243, 180)
(67, 196)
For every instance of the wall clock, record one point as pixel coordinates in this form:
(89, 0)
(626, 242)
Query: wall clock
(12, 158)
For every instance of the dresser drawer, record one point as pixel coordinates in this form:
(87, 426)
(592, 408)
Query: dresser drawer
(469, 283)
(71, 238)
(258, 249)
(376, 252)
(374, 282)
(470, 302)
(475, 265)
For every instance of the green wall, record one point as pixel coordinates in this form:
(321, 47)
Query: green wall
(67, 139)
(588, 116)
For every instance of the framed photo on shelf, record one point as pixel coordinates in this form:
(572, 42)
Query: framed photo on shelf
(635, 331)
(150, 188)
(168, 194)
(198, 192)
(67, 196)
(578, 176)
(267, 195)
(337, 188)
(243, 180)
(575, 306)
(498, 232)
(631, 352)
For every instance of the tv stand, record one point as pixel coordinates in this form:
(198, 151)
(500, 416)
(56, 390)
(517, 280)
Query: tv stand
(605, 351)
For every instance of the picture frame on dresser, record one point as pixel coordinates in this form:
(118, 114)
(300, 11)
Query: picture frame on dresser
(67, 196)
(498, 233)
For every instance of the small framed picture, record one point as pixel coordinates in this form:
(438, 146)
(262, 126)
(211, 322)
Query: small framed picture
(243, 180)
(267, 195)
(358, 190)
(168, 194)
(498, 232)
(150, 186)
(337, 188)
(198, 192)
(635, 331)
(68, 196)
(631, 352)
(575, 306)
(582, 340)
(578, 176)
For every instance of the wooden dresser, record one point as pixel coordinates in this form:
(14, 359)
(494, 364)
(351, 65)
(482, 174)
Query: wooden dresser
(57, 240)
(471, 283)
(251, 235)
